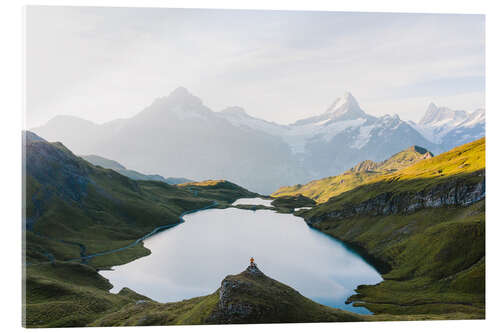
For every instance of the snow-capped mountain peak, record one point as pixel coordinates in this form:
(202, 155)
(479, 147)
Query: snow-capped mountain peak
(475, 118)
(449, 127)
(345, 108)
(345, 102)
(437, 116)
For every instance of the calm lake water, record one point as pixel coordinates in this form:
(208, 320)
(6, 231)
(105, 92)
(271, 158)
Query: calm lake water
(192, 259)
(253, 201)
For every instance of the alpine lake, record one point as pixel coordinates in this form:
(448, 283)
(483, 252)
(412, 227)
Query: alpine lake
(192, 258)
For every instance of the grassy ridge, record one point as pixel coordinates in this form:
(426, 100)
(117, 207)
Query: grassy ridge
(323, 189)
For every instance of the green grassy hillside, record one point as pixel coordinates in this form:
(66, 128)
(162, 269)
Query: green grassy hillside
(221, 190)
(323, 189)
(293, 201)
(432, 257)
(74, 206)
(79, 213)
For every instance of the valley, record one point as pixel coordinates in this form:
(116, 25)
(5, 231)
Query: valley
(418, 219)
(218, 166)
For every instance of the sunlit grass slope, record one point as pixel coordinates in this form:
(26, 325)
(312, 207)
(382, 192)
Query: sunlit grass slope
(323, 189)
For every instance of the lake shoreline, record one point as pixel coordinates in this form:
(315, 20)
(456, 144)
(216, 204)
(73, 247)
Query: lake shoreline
(358, 265)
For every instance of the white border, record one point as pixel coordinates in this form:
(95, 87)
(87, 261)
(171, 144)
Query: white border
(12, 122)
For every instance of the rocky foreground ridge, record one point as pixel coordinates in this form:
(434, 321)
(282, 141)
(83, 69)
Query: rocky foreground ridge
(252, 297)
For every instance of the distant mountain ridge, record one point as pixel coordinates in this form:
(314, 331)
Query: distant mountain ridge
(178, 134)
(338, 138)
(450, 128)
(114, 165)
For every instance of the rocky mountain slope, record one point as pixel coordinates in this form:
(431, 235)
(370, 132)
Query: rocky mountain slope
(113, 165)
(323, 189)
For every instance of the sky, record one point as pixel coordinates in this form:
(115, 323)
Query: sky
(102, 64)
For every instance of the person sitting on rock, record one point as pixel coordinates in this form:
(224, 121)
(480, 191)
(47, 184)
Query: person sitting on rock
(252, 261)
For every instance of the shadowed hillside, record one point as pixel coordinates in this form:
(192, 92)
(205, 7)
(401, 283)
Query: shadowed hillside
(79, 213)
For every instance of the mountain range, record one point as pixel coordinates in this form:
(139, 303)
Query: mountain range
(167, 136)
(450, 128)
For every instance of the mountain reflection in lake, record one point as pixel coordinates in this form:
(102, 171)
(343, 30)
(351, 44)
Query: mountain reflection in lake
(193, 258)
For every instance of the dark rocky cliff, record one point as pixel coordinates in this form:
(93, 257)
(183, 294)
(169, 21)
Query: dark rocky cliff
(456, 192)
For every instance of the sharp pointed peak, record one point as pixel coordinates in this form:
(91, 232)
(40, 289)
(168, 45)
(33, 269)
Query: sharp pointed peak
(344, 105)
(435, 114)
(348, 95)
(180, 90)
(179, 95)
(432, 105)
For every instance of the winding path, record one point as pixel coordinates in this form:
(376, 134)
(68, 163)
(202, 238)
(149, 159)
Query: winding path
(85, 257)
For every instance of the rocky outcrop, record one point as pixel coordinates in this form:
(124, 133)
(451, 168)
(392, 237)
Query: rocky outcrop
(452, 193)
(367, 165)
(252, 297)
(231, 308)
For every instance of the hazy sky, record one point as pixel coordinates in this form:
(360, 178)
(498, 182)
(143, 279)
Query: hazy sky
(106, 63)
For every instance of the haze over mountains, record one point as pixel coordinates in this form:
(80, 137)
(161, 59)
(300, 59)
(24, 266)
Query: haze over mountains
(179, 136)
(114, 165)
